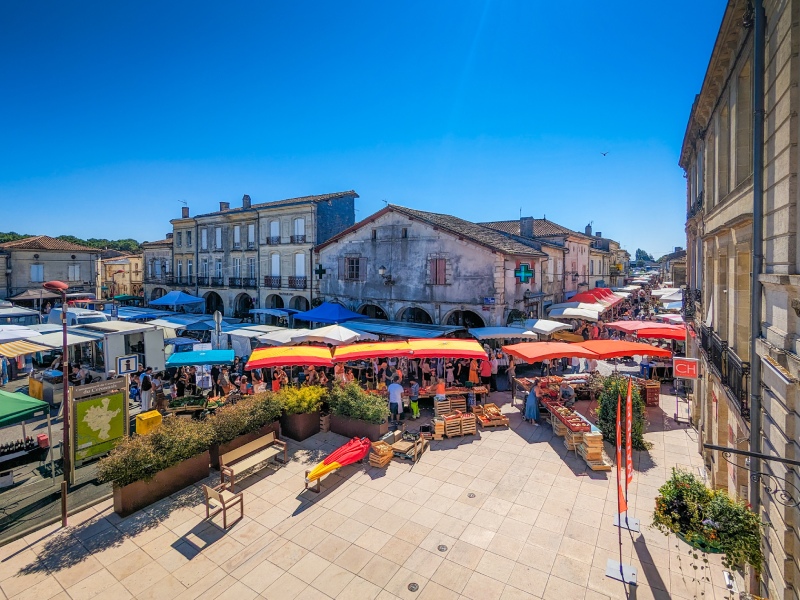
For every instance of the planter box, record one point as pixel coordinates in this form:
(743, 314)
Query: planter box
(137, 495)
(300, 427)
(353, 428)
(217, 449)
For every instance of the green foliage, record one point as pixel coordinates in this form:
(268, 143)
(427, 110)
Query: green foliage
(139, 458)
(248, 415)
(354, 403)
(301, 400)
(709, 519)
(641, 255)
(12, 236)
(126, 245)
(613, 387)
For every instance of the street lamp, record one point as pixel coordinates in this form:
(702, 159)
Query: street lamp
(59, 287)
(387, 279)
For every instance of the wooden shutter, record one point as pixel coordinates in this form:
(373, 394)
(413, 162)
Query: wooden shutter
(362, 268)
(342, 268)
(438, 268)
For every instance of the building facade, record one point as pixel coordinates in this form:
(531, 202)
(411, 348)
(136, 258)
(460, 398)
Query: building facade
(34, 260)
(717, 156)
(255, 255)
(415, 266)
(157, 266)
(121, 274)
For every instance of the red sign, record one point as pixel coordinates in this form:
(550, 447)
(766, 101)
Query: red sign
(622, 502)
(686, 368)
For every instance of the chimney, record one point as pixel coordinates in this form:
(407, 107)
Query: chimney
(588, 229)
(598, 234)
(184, 212)
(526, 226)
(169, 236)
(245, 201)
(678, 248)
(224, 206)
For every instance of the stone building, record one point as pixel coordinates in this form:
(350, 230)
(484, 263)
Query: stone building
(673, 267)
(255, 255)
(157, 265)
(421, 267)
(718, 155)
(33, 260)
(121, 274)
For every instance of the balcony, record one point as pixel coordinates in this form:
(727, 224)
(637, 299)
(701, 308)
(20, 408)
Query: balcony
(696, 207)
(217, 282)
(272, 282)
(297, 239)
(705, 339)
(184, 280)
(274, 240)
(242, 282)
(691, 303)
(158, 279)
(717, 355)
(736, 382)
(298, 283)
(237, 245)
(251, 245)
(202, 280)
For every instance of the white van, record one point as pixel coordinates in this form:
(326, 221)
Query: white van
(77, 316)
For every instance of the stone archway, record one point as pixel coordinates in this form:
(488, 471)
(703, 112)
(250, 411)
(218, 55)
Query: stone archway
(464, 318)
(242, 305)
(299, 303)
(157, 293)
(414, 314)
(273, 301)
(214, 303)
(373, 311)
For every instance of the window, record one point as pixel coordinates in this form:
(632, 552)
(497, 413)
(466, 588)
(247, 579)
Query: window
(591, 267)
(179, 269)
(218, 268)
(204, 267)
(353, 268)
(275, 229)
(374, 234)
(218, 238)
(404, 233)
(299, 226)
(157, 265)
(300, 265)
(37, 273)
(251, 268)
(188, 238)
(237, 267)
(710, 170)
(724, 152)
(204, 239)
(438, 267)
(178, 239)
(251, 234)
(275, 264)
(189, 268)
(237, 236)
(74, 272)
(150, 268)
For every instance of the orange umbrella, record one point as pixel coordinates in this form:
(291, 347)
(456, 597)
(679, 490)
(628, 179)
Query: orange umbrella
(616, 348)
(670, 332)
(371, 350)
(446, 348)
(539, 351)
(279, 356)
(634, 326)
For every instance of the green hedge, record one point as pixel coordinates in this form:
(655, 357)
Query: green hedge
(247, 415)
(354, 403)
(613, 387)
(301, 400)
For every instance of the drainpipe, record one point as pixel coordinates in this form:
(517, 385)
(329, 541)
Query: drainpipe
(758, 236)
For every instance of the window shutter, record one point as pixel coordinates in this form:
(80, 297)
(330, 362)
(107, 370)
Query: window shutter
(342, 268)
(438, 269)
(362, 268)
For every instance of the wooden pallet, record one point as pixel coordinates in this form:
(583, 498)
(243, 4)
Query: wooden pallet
(486, 422)
(469, 425)
(441, 407)
(601, 464)
(458, 403)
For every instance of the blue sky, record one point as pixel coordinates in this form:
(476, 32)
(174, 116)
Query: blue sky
(114, 112)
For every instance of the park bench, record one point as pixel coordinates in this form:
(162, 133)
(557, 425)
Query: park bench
(255, 454)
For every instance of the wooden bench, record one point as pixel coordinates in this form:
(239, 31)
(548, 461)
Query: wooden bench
(244, 458)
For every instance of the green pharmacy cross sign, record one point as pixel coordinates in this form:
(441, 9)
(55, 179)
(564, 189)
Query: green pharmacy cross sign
(319, 271)
(524, 273)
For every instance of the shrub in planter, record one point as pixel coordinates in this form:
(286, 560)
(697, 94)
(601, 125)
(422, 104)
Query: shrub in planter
(351, 402)
(247, 415)
(614, 387)
(301, 400)
(140, 458)
(709, 520)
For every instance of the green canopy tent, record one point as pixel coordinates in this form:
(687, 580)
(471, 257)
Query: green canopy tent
(16, 408)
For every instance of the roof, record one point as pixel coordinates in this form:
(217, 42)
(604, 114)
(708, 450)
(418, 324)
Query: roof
(166, 242)
(44, 242)
(541, 228)
(286, 202)
(494, 240)
(402, 329)
(111, 253)
(672, 256)
(16, 407)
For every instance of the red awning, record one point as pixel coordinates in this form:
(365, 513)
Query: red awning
(539, 351)
(616, 348)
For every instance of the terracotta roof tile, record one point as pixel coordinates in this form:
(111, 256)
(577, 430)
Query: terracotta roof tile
(44, 242)
(541, 228)
(166, 242)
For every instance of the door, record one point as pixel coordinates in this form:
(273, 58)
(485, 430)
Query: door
(154, 349)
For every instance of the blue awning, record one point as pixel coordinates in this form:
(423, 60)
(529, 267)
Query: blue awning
(177, 298)
(180, 341)
(401, 329)
(201, 357)
(328, 312)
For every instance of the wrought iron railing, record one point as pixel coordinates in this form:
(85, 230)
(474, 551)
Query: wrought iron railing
(165, 279)
(217, 282)
(202, 280)
(273, 240)
(235, 282)
(185, 280)
(705, 339)
(272, 281)
(298, 239)
(736, 381)
(717, 357)
(249, 282)
(298, 283)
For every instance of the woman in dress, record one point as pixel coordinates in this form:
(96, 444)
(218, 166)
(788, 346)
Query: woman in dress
(180, 381)
(473, 372)
(450, 374)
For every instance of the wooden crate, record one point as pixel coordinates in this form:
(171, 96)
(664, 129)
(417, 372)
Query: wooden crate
(452, 428)
(652, 393)
(458, 403)
(469, 425)
(596, 464)
(381, 448)
(558, 427)
(572, 439)
(441, 407)
(590, 452)
(380, 460)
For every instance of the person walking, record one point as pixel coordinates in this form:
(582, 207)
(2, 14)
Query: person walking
(486, 374)
(414, 399)
(145, 388)
(495, 365)
(395, 399)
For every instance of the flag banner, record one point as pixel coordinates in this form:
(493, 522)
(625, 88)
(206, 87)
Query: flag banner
(628, 436)
(622, 503)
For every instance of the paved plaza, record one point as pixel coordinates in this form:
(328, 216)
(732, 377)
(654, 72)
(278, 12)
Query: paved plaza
(508, 514)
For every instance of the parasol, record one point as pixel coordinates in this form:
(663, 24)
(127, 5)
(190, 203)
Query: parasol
(539, 351)
(671, 332)
(372, 350)
(280, 356)
(615, 348)
(332, 334)
(446, 348)
(351, 452)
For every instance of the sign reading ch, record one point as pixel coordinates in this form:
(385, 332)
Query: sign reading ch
(686, 368)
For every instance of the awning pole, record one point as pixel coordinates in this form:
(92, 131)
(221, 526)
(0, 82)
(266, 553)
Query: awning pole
(50, 442)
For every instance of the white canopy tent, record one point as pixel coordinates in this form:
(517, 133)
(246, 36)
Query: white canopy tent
(596, 307)
(335, 335)
(575, 313)
(12, 333)
(664, 292)
(545, 326)
(673, 297)
(284, 336)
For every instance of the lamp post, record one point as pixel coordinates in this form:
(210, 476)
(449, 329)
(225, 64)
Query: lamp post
(59, 287)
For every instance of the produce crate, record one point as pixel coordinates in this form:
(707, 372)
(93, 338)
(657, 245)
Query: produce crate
(458, 403)
(469, 424)
(380, 460)
(590, 452)
(441, 407)
(601, 464)
(452, 427)
(652, 393)
(558, 427)
(572, 439)
(381, 448)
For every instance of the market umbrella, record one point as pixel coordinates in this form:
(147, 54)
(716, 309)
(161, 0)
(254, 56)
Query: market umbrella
(332, 334)
(671, 332)
(446, 348)
(545, 326)
(634, 326)
(539, 351)
(12, 333)
(615, 348)
(575, 313)
(351, 452)
(282, 336)
(279, 356)
(371, 350)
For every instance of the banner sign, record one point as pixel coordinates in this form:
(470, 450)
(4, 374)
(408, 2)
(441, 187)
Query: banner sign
(622, 503)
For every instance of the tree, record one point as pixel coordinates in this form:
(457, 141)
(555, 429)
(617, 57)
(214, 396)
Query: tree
(615, 387)
(641, 255)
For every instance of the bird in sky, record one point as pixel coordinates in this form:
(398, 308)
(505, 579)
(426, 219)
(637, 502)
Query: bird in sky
(604, 153)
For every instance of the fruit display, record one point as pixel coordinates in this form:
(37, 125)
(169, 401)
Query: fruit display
(570, 418)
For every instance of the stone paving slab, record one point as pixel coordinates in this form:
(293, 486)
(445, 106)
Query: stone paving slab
(516, 515)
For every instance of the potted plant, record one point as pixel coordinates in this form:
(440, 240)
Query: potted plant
(356, 413)
(615, 387)
(144, 469)
(709, 520)
(241, 423)
(301, 406)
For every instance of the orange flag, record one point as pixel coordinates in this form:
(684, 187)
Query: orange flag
(628, 435)
(622, 503)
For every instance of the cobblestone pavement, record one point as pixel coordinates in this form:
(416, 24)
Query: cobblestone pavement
(508, 514)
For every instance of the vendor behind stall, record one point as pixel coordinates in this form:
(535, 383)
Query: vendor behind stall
(567, 394)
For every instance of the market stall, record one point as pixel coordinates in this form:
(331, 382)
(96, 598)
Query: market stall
(15, 409)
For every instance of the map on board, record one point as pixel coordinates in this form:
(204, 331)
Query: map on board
(99, 424)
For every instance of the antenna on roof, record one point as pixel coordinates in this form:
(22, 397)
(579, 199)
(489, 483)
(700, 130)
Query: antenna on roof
(520, 212)
(184, 202)
(386, 202)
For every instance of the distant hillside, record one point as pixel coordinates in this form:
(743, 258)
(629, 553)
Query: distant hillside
(126, 245)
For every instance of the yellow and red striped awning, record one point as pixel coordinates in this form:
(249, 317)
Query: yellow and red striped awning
(279, 356)
(446, 348)
(371, 350)
(20, 347)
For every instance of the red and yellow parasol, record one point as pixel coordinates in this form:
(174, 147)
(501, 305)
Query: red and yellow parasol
(446, 348)
(351, 452)
(279, 356)
(371, 350)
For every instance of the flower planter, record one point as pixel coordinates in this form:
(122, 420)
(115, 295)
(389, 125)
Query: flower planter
(217, 449)
(703, 545)
(137, 495)
(300, 427)
(353, 428)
